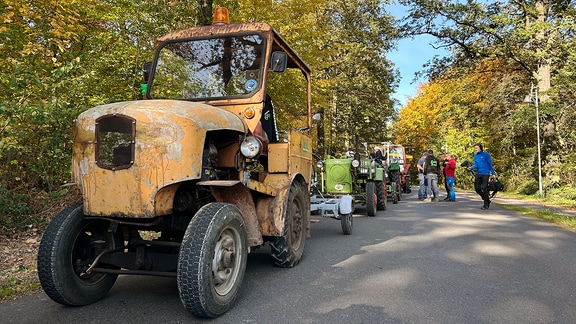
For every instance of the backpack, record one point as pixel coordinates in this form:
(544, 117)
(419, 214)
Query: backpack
(495, 185)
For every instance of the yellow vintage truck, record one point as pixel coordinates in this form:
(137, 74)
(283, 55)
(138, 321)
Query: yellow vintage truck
(188, 181)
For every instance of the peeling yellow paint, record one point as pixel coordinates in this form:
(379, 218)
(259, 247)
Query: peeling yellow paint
(169, 142)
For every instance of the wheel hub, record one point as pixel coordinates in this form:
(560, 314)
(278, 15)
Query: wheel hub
(224, 263)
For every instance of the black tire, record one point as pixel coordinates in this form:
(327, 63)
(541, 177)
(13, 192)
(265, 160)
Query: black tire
(408, 185)
(371, 199)
(385, 194)
(68, 247)
(394, 186)
(381, 195)
(399, 191)
(212, 260)
(287, 250)
(346, 221)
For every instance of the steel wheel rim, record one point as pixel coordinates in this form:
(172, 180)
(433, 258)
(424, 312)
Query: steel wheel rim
(226, 261)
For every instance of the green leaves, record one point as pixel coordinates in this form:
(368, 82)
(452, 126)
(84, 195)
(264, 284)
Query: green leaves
(62, 57)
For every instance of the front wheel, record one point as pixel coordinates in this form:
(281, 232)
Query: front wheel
(287, 250)
(371, 199)
(381, 195)
(69, 246)
(212, 260)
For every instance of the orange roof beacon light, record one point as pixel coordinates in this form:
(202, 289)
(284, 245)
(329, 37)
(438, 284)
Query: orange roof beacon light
(221, 16)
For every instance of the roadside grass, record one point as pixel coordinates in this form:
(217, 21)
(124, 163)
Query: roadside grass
(553, 199)
(545, 215)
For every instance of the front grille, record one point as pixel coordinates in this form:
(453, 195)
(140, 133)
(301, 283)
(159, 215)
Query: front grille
(364, 167)
(115, 141)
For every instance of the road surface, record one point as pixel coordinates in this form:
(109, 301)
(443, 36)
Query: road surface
(416, 262)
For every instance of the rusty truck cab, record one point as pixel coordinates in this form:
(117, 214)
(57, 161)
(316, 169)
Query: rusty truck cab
(200, 164)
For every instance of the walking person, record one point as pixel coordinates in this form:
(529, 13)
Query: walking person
(449, 173)
(421, 178)
(484, 169)
(431, 171)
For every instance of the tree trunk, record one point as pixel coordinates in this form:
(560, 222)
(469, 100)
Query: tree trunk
(543, 72)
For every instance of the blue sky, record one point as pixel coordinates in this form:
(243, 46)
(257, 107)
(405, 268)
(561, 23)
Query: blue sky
(409, 57)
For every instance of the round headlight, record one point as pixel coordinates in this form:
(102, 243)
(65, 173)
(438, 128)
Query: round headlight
(355, 163)
(251, 147)
(320, 164)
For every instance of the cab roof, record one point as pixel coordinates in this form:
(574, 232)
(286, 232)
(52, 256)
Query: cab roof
(278, 43)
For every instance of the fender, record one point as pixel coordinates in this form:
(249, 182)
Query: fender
(346, 205)
(272, 210)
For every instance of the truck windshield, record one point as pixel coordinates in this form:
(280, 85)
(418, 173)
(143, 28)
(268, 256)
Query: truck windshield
(396, 155)
(200, 69)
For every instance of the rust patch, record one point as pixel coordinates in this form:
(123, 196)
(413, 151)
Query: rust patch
(233, 192)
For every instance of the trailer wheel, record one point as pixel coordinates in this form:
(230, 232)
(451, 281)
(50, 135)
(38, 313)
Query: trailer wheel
(212, 260)
(371, 199)
(381, 195)
(346, 221)
(287, 250)
(68, 247)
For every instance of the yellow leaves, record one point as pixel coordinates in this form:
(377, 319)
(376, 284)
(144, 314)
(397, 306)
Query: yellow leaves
(43, 22)
(24, 9)
(7, 19)
(453, 110)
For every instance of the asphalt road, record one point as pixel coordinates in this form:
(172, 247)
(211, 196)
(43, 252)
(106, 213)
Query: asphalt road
(416, 262)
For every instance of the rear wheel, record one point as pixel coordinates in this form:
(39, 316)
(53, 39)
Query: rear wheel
(408, 185)
(371, 199)
(287, 250)
(69, 246)
(395, 193)
(212, 260)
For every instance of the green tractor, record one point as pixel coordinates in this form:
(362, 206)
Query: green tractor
(369, 183)
(367, 178)
(397, 170)
(354, 176)
(393, 183)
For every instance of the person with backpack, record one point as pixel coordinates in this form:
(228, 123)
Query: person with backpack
(484, 169)
(431, 172)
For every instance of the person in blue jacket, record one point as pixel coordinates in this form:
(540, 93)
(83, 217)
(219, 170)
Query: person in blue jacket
(484, 169)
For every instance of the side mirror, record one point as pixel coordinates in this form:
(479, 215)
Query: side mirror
(146, 74)
(316, 117)
(278, 62)
(146, 71)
